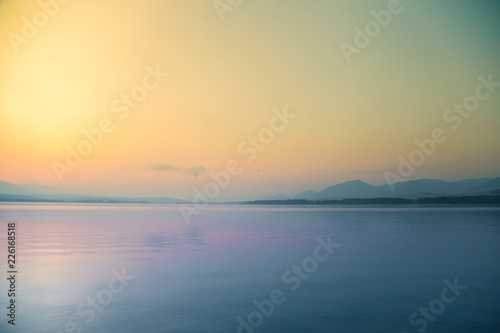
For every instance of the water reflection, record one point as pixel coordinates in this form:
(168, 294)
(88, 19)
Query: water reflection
(161, 240)
(193, 236)
(199, 278)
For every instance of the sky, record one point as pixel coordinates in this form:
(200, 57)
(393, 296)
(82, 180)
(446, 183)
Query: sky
(159, 97)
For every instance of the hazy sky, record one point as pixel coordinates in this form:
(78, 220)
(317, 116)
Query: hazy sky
(79, 66)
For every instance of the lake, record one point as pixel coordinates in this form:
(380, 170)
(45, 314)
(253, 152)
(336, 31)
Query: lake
(140, 268)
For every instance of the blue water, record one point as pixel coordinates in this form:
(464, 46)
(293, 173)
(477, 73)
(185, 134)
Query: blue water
(385, 264)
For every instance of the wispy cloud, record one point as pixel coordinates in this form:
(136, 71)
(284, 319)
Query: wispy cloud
(194, 171)
(163, 167)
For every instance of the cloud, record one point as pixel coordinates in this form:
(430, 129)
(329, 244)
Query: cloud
(194, 171)
(163, 167)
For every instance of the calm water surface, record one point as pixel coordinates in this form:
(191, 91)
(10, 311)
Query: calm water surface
(206, 276)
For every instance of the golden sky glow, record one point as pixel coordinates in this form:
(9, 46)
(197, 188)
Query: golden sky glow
(225, 79)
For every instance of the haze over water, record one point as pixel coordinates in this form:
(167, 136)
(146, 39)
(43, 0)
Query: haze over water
(203, 276)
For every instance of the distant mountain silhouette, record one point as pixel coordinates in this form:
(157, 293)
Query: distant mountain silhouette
(353, 189)
(412, 189)
(442, 200)
(40, 193)
(279, 196)
(41, 189)
(350, 189)
(11, 189)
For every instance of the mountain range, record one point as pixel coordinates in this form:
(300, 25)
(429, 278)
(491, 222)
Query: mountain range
(40, 193)
(412, 189)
